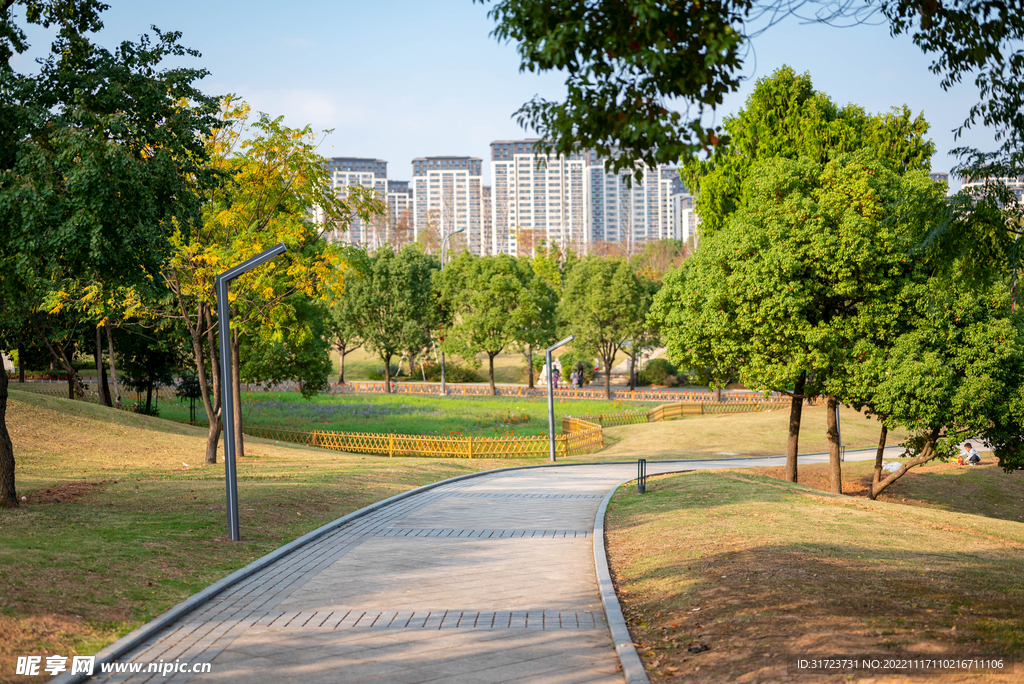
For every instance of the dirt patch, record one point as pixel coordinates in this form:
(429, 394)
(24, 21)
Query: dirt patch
(66, 492)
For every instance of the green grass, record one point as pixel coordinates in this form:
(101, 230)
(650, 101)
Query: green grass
(737, 434)
(406, 414)
(759, 569)
(117, 528)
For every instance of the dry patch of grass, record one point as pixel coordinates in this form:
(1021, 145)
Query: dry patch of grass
(980, 490)
(116, 528)
(737, 434)
(759, 570)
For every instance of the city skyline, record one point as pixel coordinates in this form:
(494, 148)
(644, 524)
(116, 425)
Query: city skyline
(418, 79)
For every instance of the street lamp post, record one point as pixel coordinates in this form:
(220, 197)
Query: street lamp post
(227, 391)
(444, 242)
(551, 394)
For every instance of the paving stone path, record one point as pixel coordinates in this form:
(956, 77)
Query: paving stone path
(488, 579)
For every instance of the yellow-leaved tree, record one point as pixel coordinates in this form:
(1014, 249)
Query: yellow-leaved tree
(273, 187)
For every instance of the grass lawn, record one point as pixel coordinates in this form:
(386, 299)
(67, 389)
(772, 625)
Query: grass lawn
(116, 528)
(981, 490)
(738, 434)
(757, 570)
(405, 414)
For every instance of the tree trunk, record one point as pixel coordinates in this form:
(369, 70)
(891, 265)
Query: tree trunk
(341, 352)
(796, 409)
(212, 401)
(490, 373)
(21, 363)
(717, 395)
(927, 454)
(632, 373)
(236, 398)
(835, 468)
(149, 397)
(74, 387)
(101, 385)
(106, 384)
(608, 377)
(387, 374)
(8, 493)
(116, 391)
(877, 477)
(529, 365)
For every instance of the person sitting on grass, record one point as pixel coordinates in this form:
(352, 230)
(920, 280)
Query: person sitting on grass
(970, 455)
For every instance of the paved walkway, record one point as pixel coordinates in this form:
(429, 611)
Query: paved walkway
(489, 579)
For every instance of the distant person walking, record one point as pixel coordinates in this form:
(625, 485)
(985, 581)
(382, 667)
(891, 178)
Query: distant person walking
(556, 375)
(574, 379)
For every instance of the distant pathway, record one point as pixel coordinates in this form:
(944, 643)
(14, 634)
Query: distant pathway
(488, 579)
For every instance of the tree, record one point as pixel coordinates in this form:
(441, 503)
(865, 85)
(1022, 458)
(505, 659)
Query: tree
(490, 304)
(294, 348)
(342, 322)
(537, 318)
(601, 305)
(393, 302)
(625, 62)
(786, 117)
(659, 257)
(956, 373)
(814, 260)
(100, 160)
(642, 334)
(273, 184)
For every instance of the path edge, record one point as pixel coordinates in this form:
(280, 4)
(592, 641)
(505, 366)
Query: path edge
(632, 666)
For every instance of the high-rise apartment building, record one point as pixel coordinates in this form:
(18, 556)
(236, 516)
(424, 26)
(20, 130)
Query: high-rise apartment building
(487, 237)
(400, 212)
(370, 173)
(628, 214)
(537, 197)
(1014, 184)
(447, 196)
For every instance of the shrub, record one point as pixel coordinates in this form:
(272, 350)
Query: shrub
(453, 372)
(657, 372)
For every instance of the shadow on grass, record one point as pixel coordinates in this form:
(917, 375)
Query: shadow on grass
(758, 573)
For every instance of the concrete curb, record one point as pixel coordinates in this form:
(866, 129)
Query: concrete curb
(632, 666)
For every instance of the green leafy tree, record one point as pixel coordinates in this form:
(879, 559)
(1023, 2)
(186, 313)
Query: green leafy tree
(816, 259)
(490, 305)
(99, 161)
(294, 348)
(626, 62)
(643, 334)
(393, 303)
(956, 373)
(343, 323)
(786, 117)
(537, 318)
(602, 306)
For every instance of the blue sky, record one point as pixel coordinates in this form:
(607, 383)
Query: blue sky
(402, 79)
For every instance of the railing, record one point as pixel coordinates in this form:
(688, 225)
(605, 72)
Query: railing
(579, 436)
(613, 419)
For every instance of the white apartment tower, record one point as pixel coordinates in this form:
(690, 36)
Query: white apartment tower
(400, 212)
(537, 196)
(447, 196)
(630, 214)
(487, 237)
(369, 173)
